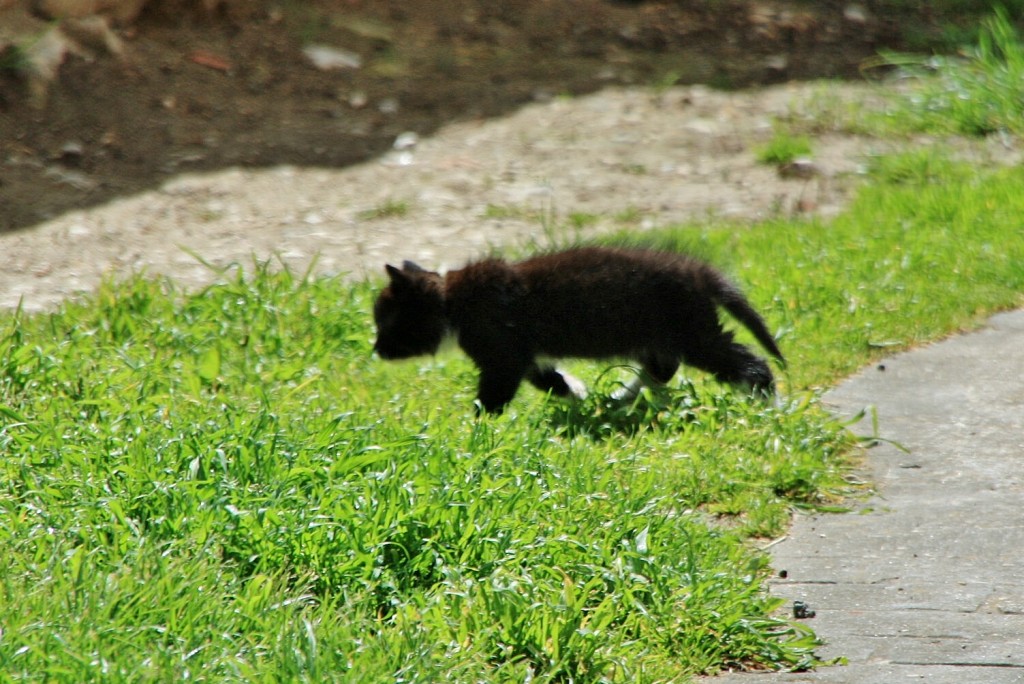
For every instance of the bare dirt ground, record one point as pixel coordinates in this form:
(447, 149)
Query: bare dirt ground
(202, 128)
(621, 158)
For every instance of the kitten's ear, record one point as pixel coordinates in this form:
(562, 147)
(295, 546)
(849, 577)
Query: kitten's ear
(411, 276)
(401, 280)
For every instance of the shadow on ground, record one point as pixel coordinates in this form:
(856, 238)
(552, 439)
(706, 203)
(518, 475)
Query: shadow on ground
(195, 90)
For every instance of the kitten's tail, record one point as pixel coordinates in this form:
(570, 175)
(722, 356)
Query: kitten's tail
(732, 300)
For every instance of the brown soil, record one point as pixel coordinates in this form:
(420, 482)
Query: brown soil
(199, 90)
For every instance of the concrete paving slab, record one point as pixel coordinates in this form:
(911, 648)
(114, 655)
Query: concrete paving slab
(926, 582)
(886, 673)
(891, 595)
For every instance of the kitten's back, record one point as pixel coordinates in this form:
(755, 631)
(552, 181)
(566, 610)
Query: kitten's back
(607, 302)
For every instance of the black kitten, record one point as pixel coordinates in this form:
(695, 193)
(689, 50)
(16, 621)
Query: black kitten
(655, 308)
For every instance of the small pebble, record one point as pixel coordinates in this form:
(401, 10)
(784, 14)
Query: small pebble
(802, 611)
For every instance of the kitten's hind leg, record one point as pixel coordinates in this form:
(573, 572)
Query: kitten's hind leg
(559, 383)
(659, 367)
(655, 370)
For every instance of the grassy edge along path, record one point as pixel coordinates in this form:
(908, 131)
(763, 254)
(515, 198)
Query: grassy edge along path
(927, 249)
(223, 485)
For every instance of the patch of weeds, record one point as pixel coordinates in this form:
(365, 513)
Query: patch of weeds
(976, 93)
(578, 220)
(509, 211)
(874, 111)
(662, 82)
(631, 215)
(784, 148)
(917, 167)
(828, 108)
(635, 169)
(389, 208)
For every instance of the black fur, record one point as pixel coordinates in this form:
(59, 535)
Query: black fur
(655, 308)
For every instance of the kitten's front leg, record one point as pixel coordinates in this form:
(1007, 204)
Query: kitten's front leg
(497, 387)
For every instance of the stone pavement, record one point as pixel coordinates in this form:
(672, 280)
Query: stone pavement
(927, 582)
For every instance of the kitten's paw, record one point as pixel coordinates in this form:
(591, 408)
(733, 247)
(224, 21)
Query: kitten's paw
(577, 389)
(630, 391)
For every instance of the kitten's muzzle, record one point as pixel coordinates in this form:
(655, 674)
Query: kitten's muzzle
(391, 353)
(383, 353)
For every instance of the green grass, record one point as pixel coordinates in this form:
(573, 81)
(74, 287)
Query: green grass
(225, 485)
(784, 148)
(979, 92)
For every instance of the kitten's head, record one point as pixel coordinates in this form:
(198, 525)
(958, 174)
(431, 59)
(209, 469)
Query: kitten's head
(409, 313)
